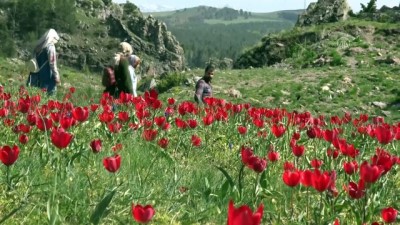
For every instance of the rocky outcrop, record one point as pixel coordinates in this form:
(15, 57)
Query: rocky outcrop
(324, 11)
(106, 26)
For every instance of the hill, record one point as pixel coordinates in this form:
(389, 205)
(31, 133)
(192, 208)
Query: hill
(217, 33)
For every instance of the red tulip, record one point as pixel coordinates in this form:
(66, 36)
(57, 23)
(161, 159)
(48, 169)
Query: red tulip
(149, 135)
(112, 163)
(163, 143)
(123, 116)
(66, 122)
(316, 163)
(273, 156)
(43, 124)
(320, 181)
(298, 150)
(278, 131)
(23, 139)
(257, 164)
(60, 138)
(356, 191)
(114, 127)
(106, 116)
(192, 123)
(350, 167)
(244, 215)
(306, 178)
(95, 145)
(160, 120)
(384, 134)
(246, 154)
(389, 214)
(370, 173)
(9, 155)
(171, 101)
(196, 140)
(208, 120)
(291, 178)
(242, 130)
(142, 214)
(180, 123)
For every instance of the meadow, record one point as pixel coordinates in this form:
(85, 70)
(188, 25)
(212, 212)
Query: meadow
(288, 151)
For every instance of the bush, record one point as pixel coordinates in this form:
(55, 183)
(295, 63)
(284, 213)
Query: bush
(169, 81)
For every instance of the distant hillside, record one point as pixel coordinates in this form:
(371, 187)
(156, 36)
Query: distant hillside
(365, 39)
(208, 33)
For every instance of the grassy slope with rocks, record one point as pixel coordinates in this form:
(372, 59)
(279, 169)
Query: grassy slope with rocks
(328, 90)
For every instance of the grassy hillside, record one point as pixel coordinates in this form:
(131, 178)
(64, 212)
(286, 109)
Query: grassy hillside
(206, 32)
(335, 90)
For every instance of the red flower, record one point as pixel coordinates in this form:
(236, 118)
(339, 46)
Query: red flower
(192, 123)
(163, 143)
(43, 124)
(244, 215)
(316, 163)
(93, 107)
(246, 154)
(196, 140)
(142, 214)
(106, 116)
(9, 155)
(60, 138)
(123, 116)
(291, 178)
(356, 191)
(383, 134)
(72, 90)
(320, 181)
(370, 173)
(149, 135)
(257, 164)
(273, 156)
(160, 120)
(306, 178)
(278, 131)
(242, 130)
(208, 120)
(350, 167)
(180, 123)
(112, 163)
(298, 150)
(66, 122)
(288, 166)
(23, 139)
(95, 145)
(389, 214)
(171, 101)
(114, 127)
(80, 114)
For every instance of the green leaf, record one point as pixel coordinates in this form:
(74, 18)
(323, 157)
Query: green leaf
(263, 180)
(228, 178)
(224, 189)
(101, 208)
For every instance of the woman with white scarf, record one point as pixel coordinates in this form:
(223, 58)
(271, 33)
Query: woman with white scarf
(126, 63)
(46, 58)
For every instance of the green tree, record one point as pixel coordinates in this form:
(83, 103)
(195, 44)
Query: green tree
(370, 8)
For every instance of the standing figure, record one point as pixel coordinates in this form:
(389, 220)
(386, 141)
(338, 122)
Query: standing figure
(203, 86)
(125, 64)
(46, 58)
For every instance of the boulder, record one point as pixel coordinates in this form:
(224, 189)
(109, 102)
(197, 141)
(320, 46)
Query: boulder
(324, 11)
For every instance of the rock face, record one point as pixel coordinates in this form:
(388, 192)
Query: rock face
(106, 26)
(324, 11)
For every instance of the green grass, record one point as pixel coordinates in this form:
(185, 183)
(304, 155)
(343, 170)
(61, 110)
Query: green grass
(301, 88)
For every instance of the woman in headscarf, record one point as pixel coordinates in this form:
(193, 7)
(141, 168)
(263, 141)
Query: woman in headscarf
(125, 63)
(46, 58)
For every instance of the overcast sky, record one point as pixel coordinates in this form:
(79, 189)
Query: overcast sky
(247, 5)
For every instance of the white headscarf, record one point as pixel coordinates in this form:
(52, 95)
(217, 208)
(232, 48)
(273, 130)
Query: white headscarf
(50, 37)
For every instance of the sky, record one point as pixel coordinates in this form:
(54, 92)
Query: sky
(246, 5)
